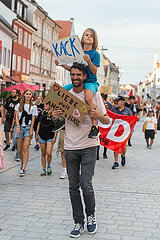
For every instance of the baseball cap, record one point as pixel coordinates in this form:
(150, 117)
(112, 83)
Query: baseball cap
(120, 98)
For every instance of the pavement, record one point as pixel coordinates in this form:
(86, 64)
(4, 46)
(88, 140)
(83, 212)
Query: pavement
(127, 199)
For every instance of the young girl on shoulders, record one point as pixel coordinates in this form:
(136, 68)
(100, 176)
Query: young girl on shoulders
(26, 112)
(89, 43)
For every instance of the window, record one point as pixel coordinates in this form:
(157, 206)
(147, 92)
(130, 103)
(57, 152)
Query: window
(28, 65)
(19, 9)
(33, 57)
(37, 60)
(24, 65)
(16, 30)
(18, 64)
(14, 62)
(48, 65)
(4, 56)
(25, 13)
(29, 41)
(39, 28)
(25, 38)
(45, 60)
(46, 33)
(20, 36)
(8, 60)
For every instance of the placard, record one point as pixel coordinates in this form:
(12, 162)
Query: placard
(106, 89)
(67, 50)
(74, 110)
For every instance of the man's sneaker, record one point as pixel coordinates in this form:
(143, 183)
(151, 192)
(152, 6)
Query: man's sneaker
(59, 124)
(147, 145)
(22, 173)
(77, 231)
(115, 165)
(36, 147)
(93, 132)
(64, 175)
(13, 148)
(49, 170)
(43, 173)
(91, 224)
(18, 159)
(123, 161)
(6, 147)
(105, 156)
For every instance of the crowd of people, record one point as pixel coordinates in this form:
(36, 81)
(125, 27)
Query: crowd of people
(79, 146)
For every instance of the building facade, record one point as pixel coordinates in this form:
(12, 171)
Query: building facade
(7, 35)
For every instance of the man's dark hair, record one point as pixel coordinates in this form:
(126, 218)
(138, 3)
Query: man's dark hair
(132, 97)
(79, 66)
(104, 96)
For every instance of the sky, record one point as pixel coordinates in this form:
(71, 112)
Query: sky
(130, 30)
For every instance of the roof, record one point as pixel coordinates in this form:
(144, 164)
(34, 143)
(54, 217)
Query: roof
(66, 28)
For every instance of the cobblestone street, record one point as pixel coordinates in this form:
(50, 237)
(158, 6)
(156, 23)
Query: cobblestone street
(127, 199)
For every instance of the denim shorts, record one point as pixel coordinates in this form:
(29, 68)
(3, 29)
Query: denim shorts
(24, 132)
(40, 140)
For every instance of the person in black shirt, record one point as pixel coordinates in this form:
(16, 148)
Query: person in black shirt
(40, 107)
(9, 106)
(131, 105)
(46, 137)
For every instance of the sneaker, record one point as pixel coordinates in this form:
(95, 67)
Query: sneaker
(18, 159)
(43, 173)
(59, 124)
(22, 173)
(91, 224)
(13, 148)
(123, 161)
(77, 231)
(36, 147)
(115, 165)
(49, 170)
(6, 147)
(149, 147)
(105, 156)
(93, 132)
(64, 175)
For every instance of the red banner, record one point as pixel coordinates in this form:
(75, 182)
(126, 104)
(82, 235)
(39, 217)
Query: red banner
(115, 135)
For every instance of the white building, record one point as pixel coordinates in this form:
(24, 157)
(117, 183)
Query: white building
(6, 37)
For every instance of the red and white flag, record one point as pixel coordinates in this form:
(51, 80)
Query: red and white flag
(115, 135)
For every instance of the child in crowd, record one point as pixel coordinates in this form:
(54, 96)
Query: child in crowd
(46, 137)
(40, 107)
(89, 43)
(26, 112)
(150, 128)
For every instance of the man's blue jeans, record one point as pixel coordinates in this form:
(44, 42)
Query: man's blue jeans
(80, 170)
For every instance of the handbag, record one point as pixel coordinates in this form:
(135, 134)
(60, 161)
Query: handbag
(2, 166)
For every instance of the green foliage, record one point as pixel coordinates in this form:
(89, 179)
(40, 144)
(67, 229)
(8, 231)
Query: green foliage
(4, 95)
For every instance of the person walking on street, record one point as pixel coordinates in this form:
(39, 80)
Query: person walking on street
(122, 110)
(46, 137)
(9, 106)
(26, 112)
(40, 107)
(150, 128)
(80, 154)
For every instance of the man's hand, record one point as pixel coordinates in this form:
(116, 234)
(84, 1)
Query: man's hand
(56, 114)
(17, 131)
(93, 113)
(56, 62)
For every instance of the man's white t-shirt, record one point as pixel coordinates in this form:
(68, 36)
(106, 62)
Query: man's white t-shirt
(150, 123)
(77, 137)
(33, 111)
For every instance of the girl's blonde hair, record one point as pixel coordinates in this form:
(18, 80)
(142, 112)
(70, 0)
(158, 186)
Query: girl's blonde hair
(95, 38)
(22, 102)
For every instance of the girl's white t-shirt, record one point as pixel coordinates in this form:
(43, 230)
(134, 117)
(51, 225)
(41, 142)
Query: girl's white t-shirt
(33, 111)
(150, 123)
